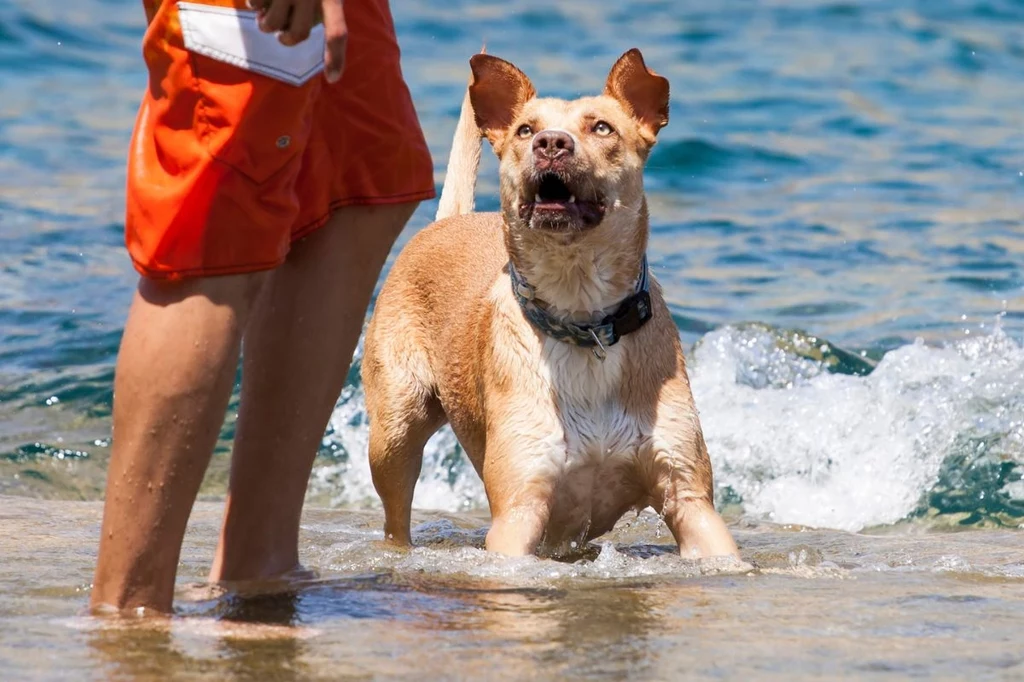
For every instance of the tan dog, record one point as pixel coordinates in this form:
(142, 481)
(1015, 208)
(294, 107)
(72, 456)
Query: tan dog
(537, 333)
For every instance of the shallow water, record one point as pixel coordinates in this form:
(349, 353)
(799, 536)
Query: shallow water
(835, 220)
(809, 604)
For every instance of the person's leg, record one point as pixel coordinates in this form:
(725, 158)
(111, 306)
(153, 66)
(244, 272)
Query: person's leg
(173, 380)
(297, 352)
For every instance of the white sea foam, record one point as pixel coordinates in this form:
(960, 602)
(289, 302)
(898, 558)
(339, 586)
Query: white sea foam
(842, 451)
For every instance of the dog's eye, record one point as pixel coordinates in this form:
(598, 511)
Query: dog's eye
(524, 131)
(603, 129)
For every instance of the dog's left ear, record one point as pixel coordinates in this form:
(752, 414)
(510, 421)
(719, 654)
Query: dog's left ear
(643, 93)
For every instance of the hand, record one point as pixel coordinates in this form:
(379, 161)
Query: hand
(293, 20)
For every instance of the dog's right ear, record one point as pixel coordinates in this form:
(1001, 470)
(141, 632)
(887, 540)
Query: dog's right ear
(498, 92)
(642, 92)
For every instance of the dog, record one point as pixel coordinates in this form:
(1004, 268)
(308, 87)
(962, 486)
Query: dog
(538, 333)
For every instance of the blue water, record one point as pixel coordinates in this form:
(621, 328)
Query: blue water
(852, 170)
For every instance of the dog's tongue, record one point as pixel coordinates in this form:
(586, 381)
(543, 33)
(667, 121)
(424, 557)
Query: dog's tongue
(552, 205)
(589, 212)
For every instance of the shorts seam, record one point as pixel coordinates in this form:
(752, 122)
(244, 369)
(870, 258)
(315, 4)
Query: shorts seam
(206, 272)
(370, 200)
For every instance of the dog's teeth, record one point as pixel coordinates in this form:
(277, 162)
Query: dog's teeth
(572, 199)
(536, 199)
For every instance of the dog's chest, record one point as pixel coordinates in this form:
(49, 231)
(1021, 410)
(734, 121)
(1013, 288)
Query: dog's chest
(593, 464)
(587, 393)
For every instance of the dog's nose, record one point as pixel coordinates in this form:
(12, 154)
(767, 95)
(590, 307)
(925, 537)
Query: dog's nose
(552, 144)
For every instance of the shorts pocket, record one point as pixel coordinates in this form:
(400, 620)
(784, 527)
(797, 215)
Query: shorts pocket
(233, 36)
(256, 96)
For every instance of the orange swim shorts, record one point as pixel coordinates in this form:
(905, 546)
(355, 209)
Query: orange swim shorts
(242, 147)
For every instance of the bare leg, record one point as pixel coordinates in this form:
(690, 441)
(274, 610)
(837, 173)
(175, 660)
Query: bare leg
(298, 349)
(175, 371)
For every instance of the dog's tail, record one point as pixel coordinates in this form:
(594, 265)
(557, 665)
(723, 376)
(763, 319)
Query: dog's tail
(457, 195)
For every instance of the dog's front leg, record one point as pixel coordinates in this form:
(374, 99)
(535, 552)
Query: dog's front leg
(682, 495)
(696, 526)
(523, 461)
(682, 488)
(519, 477)
(518, 530)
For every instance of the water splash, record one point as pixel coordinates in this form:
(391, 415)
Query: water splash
(801, 432)
(447, 480)
(799, 445)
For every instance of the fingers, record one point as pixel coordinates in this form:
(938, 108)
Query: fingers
(302, 20)
(276, 15)
(294, 19)
(335, 39)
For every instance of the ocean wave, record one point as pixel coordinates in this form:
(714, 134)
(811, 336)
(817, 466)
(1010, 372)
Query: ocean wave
(841, 451)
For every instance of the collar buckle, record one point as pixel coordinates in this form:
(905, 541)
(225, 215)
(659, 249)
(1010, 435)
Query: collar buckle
(600, 352)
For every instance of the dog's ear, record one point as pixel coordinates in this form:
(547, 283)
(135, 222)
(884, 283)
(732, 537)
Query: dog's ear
(643, 93)
(498, 92)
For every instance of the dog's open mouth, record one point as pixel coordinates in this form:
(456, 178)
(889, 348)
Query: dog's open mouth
(556, 204)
